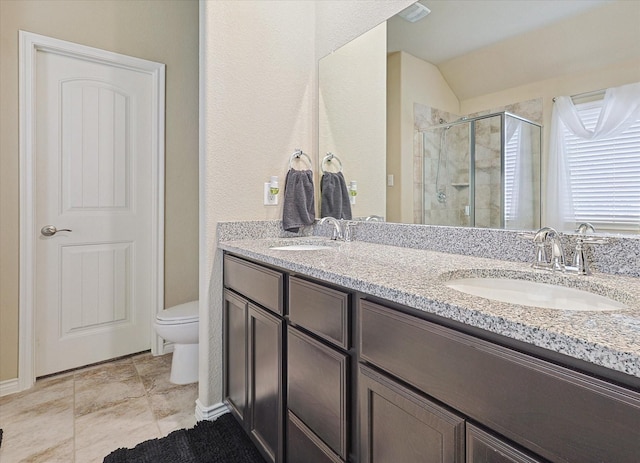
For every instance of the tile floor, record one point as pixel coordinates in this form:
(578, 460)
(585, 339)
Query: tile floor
(83, 415)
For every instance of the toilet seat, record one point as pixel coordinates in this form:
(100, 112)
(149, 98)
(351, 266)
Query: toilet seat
(179, 314)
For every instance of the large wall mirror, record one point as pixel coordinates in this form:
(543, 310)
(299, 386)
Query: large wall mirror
(444, 121)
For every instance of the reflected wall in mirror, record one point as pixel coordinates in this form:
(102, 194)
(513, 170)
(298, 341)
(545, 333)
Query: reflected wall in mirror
(476, 58)
(352, 117)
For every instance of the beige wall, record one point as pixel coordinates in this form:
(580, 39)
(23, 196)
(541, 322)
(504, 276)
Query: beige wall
(352, 122)
(257, 86)
(412, 81)
(258, 103)
(601, 37)
(164, 31)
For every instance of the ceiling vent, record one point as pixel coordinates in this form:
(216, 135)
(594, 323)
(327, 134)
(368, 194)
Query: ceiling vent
(415, 12)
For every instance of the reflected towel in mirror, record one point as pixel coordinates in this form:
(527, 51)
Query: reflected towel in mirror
(334, 196)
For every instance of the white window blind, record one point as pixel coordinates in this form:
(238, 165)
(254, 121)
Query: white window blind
(605, 175)
(510, 156)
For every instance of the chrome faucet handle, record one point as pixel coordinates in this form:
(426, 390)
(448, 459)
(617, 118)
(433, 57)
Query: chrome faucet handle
(540, 239)
(557, 253)
(337, 230)
(585, 228)
(374, 218)
(557, 261)
(347, 231)
(580, 263)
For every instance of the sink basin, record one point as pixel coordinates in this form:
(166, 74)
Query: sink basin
(534, 294)
(301, 247)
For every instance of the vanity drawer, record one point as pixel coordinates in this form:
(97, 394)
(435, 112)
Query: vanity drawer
(317, 388)
(483, 447)
(559, 414)
(321, 310)
(260, 284)
(303, 446)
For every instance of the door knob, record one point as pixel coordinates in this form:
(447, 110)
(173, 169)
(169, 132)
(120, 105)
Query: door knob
(50, 230)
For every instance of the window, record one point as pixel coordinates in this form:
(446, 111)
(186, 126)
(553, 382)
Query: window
(605, 175)
(510, 157)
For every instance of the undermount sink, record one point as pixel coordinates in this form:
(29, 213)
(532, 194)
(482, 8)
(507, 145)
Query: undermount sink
(301, 247)
(534, 294)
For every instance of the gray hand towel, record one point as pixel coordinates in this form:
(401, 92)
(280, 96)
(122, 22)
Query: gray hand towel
(298, 208)
(334, 197)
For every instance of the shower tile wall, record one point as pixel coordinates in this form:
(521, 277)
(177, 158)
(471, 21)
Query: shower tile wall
(427, 209)
(488, 172)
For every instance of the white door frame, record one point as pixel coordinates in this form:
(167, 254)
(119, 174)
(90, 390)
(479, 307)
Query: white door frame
(30, 44)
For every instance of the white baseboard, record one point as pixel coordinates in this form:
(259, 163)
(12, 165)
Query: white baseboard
(9, 386)
(210, 413)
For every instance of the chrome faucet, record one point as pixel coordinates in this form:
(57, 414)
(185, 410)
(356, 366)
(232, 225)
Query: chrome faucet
(337, 230)
(342, 228)
(580, 263)
(556, 263)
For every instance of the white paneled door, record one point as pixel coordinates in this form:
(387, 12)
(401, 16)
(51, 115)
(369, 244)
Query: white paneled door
(95, 210)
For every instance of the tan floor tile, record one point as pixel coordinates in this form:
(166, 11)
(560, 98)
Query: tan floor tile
(174, 400)
(178, 421)
(51, 422)
(128, 437)
(43, 392)
(105, 387)
(82, 416)
(118, 420)
(58, 453)
(154, 372)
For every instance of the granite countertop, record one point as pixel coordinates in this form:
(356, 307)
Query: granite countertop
(417, 278)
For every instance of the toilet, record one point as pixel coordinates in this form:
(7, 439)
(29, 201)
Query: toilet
(179, 325)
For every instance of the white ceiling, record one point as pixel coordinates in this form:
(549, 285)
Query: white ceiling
(457, 27)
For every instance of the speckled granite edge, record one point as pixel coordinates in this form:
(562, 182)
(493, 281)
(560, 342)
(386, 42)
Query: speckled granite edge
(611, 340)
(256, 229)
(621, 256)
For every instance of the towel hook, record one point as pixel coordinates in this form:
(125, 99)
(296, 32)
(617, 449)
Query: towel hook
(328, 158)
(297, 154)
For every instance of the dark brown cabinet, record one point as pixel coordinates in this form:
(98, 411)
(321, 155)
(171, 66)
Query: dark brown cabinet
(318, 373)
(235, 359)
(312, 380)
(253, 354)
(483, 447)
(265, 382)
(304, 446)
(398, 425)
(317, 391)
(551, 411)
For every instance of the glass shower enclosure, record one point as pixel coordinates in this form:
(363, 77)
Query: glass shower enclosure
(482, 171)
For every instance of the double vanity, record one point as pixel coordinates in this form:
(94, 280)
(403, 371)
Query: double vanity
(363, 352)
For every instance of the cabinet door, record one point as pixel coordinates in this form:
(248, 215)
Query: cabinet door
(397, 425)
(303, 446)
(235, 354)
(485, 448)
(265, 382)
(317, 388)
(550, 410)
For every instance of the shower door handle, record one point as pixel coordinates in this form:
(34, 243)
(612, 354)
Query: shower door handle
(50, 230)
